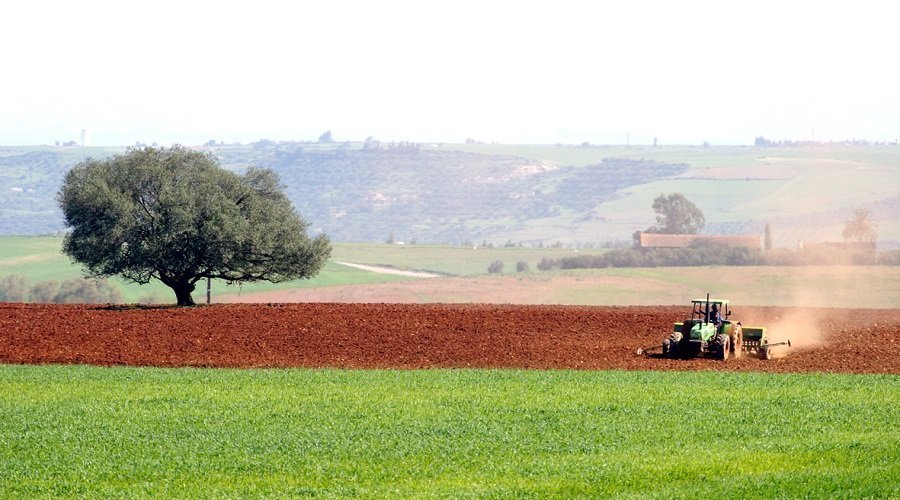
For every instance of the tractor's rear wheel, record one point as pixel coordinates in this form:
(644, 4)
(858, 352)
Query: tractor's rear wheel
(737, 347)
(723, 346)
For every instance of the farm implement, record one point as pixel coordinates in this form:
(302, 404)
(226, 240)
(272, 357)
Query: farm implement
(711, 332)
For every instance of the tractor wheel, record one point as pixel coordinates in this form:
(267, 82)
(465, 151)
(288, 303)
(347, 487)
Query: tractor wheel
(671, 345)
(737, 347)
(764, 352)
(723, 346)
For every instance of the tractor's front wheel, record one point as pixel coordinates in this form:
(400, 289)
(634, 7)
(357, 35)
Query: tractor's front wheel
(671, 345)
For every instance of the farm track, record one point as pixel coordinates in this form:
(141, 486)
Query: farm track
(410, 336)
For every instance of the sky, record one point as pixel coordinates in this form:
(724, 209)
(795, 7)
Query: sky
(605, 72)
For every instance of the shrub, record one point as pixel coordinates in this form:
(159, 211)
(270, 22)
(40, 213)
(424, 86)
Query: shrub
(889, 258)
(547, 264)
(82, 291)
(13, 288)
(522, 267)
(496, 267)
(44, 292)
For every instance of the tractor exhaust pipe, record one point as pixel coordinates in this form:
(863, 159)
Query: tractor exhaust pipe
(707, 308)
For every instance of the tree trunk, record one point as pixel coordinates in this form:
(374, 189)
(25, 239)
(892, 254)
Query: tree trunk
(183, 293)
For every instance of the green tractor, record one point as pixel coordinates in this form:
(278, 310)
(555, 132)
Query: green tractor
(712, 332)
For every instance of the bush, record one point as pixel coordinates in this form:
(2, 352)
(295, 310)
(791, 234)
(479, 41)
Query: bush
(889, 258)
(44, 292)
(75, 291)
(82, 291)
(495, 267)
(13, 288)
(522, 267)
(547, 264)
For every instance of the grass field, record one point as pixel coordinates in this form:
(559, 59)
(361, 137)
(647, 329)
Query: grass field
(101, 432)
(820, 286)
(449, 260)
(38, 258)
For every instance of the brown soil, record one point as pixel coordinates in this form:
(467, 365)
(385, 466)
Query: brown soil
(423, 336)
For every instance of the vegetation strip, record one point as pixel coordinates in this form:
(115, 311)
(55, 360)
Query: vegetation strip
(85, 431)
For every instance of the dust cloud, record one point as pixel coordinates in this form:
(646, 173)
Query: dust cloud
(799, 326)
(802, 322)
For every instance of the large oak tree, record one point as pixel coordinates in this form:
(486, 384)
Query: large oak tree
(173, 214)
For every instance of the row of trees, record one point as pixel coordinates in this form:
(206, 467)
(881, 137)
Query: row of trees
(713, 254)
(15, 288)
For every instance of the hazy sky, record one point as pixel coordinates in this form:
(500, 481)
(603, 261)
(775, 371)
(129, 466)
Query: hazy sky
(555, 71)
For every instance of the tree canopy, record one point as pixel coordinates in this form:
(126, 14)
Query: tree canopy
(172, 214)
(675, 214)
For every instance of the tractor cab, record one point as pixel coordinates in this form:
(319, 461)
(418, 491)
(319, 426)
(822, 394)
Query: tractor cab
(708, 317)
(703, 310)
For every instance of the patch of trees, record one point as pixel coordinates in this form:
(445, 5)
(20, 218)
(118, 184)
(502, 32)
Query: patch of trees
(762, 142)
(698, 255)
(15, 288)
(583, 188)
(715, 254)
(675, 214)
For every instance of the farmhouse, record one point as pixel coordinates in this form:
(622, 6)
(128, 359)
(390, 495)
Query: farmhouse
(657, 240)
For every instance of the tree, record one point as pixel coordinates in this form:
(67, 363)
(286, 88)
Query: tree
(172, 214)
(860, 227)
(768, 238)
(326, 137)
(675, 214)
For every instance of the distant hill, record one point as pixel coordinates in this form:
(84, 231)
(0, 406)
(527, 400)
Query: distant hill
(523, 194)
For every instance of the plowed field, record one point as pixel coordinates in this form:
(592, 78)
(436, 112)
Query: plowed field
(428, 336)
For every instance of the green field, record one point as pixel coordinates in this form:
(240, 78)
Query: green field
(39, 258)
(200, 433)
(448, 260)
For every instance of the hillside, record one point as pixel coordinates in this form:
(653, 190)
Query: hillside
(535, 195)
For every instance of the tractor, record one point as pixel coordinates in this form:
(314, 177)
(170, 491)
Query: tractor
(711, 332)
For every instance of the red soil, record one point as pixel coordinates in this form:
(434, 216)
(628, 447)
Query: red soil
(424, 336)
